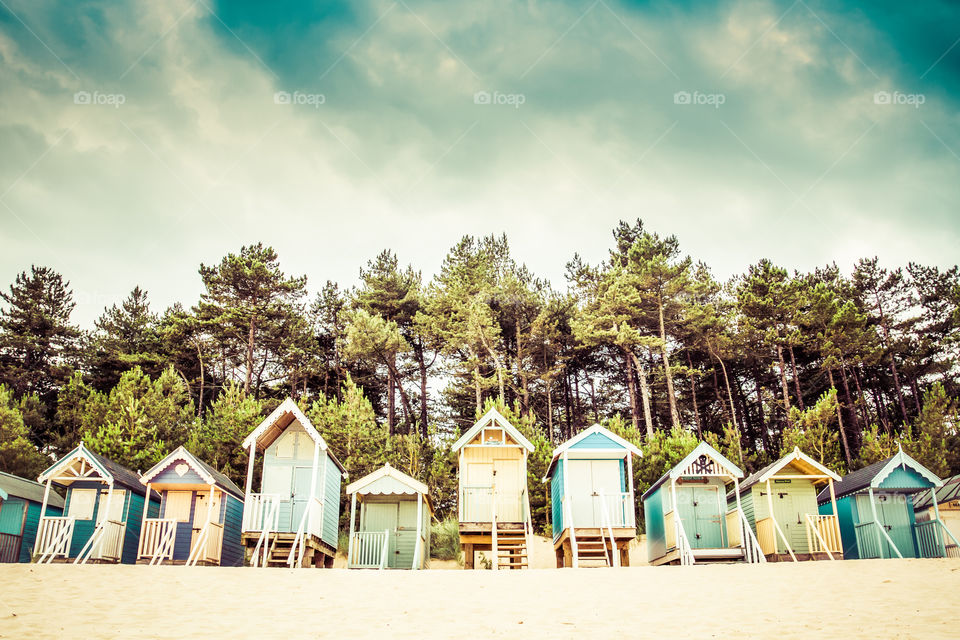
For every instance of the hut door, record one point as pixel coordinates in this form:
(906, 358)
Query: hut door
(507, 478)
(301, 495)
(785, 514)
(892, 509)
(580, 482)
(700, 513)
(476, 492)
(384, 516)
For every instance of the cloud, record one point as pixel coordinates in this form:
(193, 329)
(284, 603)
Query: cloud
(797, 164)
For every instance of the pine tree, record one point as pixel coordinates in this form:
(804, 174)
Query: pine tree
(17, 454)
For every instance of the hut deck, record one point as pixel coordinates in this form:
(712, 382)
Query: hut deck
(317, 553)
(593, 545)
(734, 554)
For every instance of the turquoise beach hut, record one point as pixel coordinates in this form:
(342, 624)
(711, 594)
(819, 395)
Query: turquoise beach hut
(103, 512)
(875, 507)
(294, 520)
(200, 514)
(20, 503)
(686, 513)
(592, 505)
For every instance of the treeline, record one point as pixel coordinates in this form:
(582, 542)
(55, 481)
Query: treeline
(649, 342)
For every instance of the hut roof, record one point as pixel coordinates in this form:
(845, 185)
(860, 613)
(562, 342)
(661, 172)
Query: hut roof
(800, 460)
(107, 469)
(281, 418)
(682, 468)
(873, 475)
(204, 470)
(409, 484)
(491, 417)
(620, 443)
(11, 485)
(949, 491)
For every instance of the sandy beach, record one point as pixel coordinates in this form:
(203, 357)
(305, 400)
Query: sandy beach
(851, 599)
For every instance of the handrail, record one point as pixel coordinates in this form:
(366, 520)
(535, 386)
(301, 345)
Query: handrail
(493, 527)
(751, 546)
(930, 540)
(528, 523)
(683, 544)
(364, 555)
(152, 534)
(813, 525)
(306, 525)
(166, 544)
(786, 543)
(386, 548)
(54, 536)
(271, 518)
(94, 546)
(568, 517)
(605, 520)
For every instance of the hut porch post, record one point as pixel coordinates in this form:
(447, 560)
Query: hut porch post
(417, 560)
(353, 517)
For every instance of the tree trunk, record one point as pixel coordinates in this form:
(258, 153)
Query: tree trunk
(391, 400)
(421, 363)
(861, 401)
(631, 389)
(644, 394)
(784, 387)
(566, 404)
(674, 414)
(405, 401)
(843, 432)
(521, 374)
(250, 341)
(550, 410)
(853, 410)
(764, 430)
(796, 379)
(693, 393)
(476, 386)
(916, 394)
(200, 395)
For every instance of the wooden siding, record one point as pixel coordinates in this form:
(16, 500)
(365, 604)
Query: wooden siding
(386, 485)
(169, 474)
(184, 536)
(331, 501)
(653, 515)
(30, 527)
(82, 529)
(231, 554)
(596, 441)
(508, 489)
(398, 515)
(11, 515)
(131, 536)
(292, 449)
(848, 518)
(901, 478)
(556, 499)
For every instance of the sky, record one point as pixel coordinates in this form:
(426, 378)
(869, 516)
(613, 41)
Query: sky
(139, 139)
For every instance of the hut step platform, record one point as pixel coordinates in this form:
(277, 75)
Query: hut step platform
(316, 554)
(512, 551)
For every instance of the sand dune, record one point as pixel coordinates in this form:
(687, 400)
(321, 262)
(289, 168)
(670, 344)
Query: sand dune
(852, 599)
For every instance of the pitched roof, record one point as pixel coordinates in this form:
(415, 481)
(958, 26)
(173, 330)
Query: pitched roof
(586, 433)
(493, 416)
(702, 449)
(773, 468)
(108, 469)
(204, 470)
(18, 487)
(281, 418)
(949, 491)
(388, 471)
(873, 475)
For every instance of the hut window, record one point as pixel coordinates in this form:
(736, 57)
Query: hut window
(177, 506)
(82, 502)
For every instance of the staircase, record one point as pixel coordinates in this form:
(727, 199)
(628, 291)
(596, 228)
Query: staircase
(512, 550)
(278, 552)
(591, 547)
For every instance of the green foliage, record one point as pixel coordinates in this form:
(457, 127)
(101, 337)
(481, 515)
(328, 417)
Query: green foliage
(445, 540)
(815, 432)
(660, 454)
(935, 432)
(879, 445)
(17, 454)
(216, 440)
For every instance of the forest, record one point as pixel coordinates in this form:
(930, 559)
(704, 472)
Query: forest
(650, 343)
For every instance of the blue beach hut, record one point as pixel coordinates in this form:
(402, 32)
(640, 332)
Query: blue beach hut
(199, 518)
(20, 503)
(592, 506)
(103, 513)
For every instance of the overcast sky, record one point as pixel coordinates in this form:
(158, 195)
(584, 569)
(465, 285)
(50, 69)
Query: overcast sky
(142, 138)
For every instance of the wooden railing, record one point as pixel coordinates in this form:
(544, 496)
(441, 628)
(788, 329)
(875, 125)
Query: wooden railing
(568, 518)
(54, 536)
(154, 542)
(607, 528)
(617, 508)
(476, 503)
(370, 549)
(261, 510)
(311, 524)
(734, 537)
(207, 546)
(767, 536)
(683, 544)
(868, 542)
(823, 535)
(9, 547)
(930, 540)
(106, 543)
(751, 547)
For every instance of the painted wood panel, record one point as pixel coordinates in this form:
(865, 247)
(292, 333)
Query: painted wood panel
(331, 498)
(12, 511)
(556, 499)
(231, 554)
(654, 524)
(596, 441)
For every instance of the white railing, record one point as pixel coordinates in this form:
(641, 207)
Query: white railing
(476, 503)
(311, 523)
(207, 546)
(568, 522)
(618, 509)
(154, 543)
(104, 544)
(54, 536)
(683, 544)
(605, 524)
(267, 518)
(369, 549)
(823, 535)
(751, 547)
(261, 510)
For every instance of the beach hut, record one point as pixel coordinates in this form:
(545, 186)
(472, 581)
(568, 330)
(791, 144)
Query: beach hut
(20, 503)
(592, 503)
(780, 502)
(686, 514)
(294, 519)
(199, 518)
(947, 509)
(394, 527)
(103, 511)
(494, 506)
(876, 511)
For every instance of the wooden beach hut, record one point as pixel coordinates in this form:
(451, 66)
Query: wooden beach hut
(199, 518)
(875, 507)
(780, 502)
(294, 519)
(947, 509)
(494, 506)
(103, 513)
(592, 503)
(394, 527)
(686, 514)
(20, 504)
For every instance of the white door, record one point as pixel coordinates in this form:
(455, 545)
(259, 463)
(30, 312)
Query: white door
(587, 479)
(605, 475)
